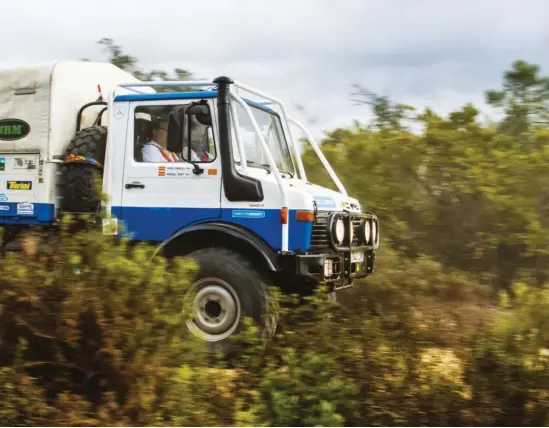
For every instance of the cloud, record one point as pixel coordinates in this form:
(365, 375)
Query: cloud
(433, 53)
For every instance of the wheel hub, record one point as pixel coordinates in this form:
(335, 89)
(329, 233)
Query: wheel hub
(216, 309)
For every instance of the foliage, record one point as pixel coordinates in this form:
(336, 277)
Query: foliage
(92, 333)
(466, 195)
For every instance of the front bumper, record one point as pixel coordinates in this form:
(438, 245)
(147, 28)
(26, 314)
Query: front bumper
(338, 264)
(338, 270)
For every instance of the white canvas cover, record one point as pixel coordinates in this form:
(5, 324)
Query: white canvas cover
(51, 96)
(33, 108)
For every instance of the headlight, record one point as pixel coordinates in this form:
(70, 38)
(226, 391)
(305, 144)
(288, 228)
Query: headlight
(374, 231)
(375, 236)
(364, 232)
(339, 231)
(367, 231)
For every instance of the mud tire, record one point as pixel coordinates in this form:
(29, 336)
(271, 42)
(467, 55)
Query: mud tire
(82, 182)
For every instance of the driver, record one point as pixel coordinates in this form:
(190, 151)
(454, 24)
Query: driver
(155, 150)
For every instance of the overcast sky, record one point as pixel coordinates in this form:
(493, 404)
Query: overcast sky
(437, 53)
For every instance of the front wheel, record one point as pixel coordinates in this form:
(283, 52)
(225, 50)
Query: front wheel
(227, 288)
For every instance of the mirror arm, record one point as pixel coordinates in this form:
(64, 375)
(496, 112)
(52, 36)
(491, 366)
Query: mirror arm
(197, 170)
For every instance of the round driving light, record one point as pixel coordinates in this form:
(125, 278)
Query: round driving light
(339, 231)
(351, 233)
(367, 231)
(375, 237)
(374, 231)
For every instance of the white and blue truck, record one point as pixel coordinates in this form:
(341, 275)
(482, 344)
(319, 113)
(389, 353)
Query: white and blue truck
(241, 205)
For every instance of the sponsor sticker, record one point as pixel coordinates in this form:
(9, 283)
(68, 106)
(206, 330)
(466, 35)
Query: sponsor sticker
(4, 208)
(174, 171)
(25, 208)
(3, 198)
(22, 163)
(19, 185)
(248, 214)
(324, 202)
(13, 129)
(2, 164)
(110, 226)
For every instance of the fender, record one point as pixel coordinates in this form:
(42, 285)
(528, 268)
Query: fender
(241, 233)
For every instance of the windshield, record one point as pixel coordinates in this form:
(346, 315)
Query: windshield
(271, 128)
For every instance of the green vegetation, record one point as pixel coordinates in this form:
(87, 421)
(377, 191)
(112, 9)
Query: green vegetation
(450, 330)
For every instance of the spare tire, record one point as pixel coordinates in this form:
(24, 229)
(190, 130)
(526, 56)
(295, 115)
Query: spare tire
(82, 181)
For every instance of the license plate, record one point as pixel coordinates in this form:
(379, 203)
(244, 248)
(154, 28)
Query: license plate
(357, 256)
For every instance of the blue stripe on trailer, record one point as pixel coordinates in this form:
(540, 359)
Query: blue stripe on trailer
(26, 213)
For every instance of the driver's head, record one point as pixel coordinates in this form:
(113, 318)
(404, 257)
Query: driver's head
(160, 132)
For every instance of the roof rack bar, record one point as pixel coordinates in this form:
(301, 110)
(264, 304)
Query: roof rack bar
(321, 156)
(163, 83)
(133, 90)
(285, 123)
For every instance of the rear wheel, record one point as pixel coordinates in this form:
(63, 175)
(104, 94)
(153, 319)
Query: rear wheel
(227, 289)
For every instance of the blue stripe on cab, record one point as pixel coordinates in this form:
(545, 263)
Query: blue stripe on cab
(158, 224)
(182, 96)
(166, 96)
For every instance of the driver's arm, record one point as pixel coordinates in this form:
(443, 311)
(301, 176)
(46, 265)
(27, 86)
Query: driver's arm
(194, 156)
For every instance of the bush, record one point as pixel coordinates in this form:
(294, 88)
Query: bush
(103, 322)
(92, 333)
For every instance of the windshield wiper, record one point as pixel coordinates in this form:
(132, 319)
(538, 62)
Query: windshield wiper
(266, 167)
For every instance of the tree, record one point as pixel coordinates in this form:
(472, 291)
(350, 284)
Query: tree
(129, 63)
(524, 99)
(387, 115)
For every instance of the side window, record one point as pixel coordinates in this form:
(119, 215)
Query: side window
(162, 133)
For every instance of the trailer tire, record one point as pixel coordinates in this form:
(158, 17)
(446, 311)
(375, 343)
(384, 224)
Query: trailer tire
(236, 289)
(81, 193)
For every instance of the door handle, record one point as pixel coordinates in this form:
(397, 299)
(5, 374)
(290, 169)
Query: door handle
(134, 185)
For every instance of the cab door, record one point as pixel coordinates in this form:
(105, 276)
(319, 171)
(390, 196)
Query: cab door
(160, 197)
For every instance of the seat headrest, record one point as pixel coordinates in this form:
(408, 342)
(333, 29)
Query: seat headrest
(143, 129)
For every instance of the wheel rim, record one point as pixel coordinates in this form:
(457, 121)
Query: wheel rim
(215, 309)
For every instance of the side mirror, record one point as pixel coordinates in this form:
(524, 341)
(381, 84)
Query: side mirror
(197, 121)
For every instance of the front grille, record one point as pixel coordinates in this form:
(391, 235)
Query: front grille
(319, 236)
(356, 224)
